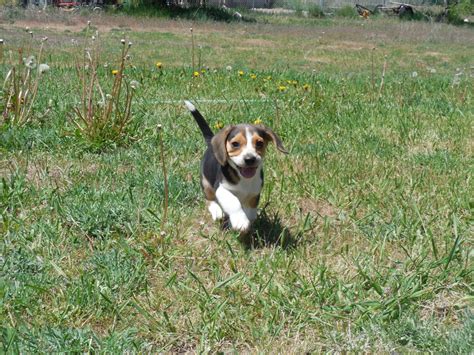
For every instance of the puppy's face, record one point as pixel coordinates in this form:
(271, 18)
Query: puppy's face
(243, 147)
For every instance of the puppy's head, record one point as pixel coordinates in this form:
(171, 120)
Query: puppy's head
(243, 147)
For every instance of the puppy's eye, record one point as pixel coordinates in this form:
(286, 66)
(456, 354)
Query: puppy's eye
(235, 144)
(259, 144)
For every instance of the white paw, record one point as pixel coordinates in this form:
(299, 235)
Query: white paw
(240, 222)
(216, 211)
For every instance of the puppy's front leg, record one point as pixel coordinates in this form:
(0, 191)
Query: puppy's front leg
(233, 208)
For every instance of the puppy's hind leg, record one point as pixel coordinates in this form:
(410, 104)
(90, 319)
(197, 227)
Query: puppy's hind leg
(215, 210)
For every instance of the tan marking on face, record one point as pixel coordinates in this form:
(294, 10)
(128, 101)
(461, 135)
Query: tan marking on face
(209, 191)
(241, 140)
(259, 143)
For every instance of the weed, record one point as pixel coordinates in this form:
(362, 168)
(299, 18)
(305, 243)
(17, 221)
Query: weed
(21, 86)
(346, 11)
(315, 11)
(103, 119)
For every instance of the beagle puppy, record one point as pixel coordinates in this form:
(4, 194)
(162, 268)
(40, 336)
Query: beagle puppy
(231, 169)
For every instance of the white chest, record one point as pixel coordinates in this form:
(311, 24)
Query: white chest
(245, 188)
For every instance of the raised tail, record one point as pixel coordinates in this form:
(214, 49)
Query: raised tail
(205, 129)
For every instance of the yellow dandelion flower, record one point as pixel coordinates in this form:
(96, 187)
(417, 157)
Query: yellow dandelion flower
(268, 78)
(115, 72)
(294, 82)
(218, 125)
(257, 121)
(196, 74)
(306, 87)
(282, 88)
(241, 72)
(253, 76)
(203, 71)
(159, 65)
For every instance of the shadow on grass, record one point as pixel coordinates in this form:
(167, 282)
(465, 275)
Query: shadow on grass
(268, 231)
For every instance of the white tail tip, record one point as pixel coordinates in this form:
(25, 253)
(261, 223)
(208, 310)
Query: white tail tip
(189, 105)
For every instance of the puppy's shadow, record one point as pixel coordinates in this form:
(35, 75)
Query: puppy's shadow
(268, 230)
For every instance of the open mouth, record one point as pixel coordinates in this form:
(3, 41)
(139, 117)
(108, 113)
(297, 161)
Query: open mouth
(248, 172)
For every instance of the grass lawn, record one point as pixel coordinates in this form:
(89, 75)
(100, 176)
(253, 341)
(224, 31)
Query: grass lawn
(364, 237)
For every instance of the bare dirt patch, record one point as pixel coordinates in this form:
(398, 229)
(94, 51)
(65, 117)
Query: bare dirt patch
(106, 23)
(348, 45)
(258, 42)
(317, 207)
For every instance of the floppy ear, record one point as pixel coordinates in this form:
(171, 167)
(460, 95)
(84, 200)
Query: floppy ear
(218, 144)
(272, 136)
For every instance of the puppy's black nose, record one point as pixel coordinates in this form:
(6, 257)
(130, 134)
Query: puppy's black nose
(250, 160)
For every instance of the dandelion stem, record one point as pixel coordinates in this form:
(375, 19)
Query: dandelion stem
(277, 114)
(192, 47)
(383, 76)
(35, 88)
(372, 69)
(165, 177)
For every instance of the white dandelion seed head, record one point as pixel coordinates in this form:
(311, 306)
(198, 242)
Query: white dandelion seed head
(88, 23)
(134, 84)
(129, 44)
(162, 233)
(43, 68)
(414, 74)
(108, 97)
(228, 68)
(1, 40)
(457, 78)
(44, 39)
(122, 41)
(30, 62)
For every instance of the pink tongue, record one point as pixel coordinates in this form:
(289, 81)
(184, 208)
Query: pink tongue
(248, 172)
